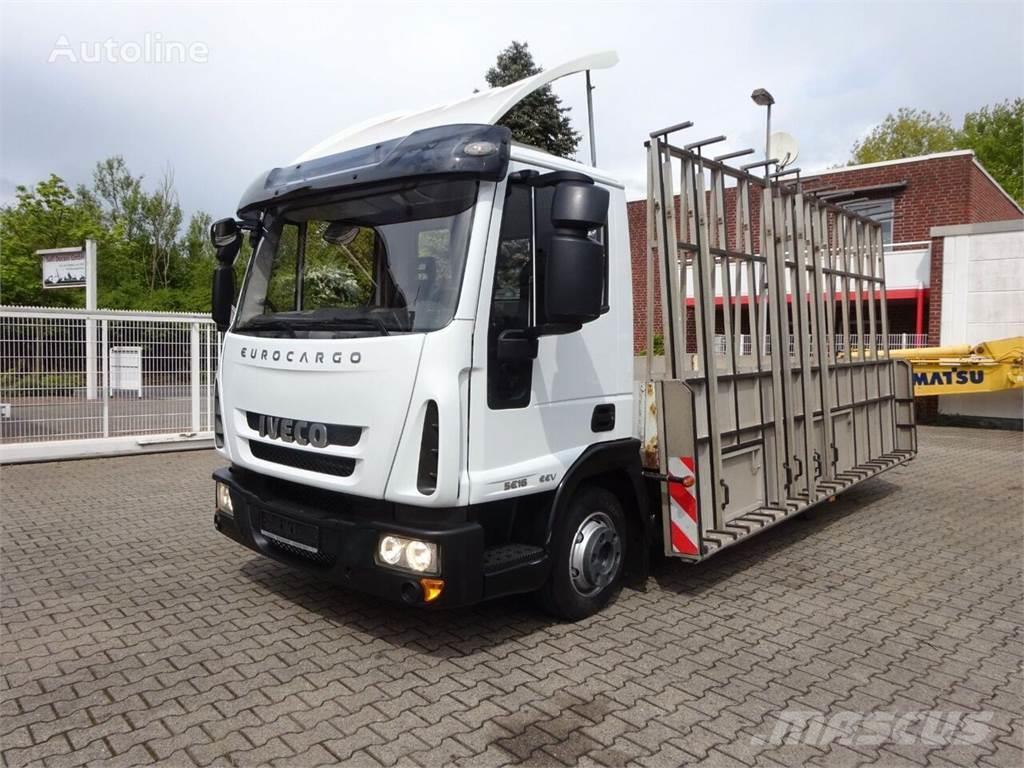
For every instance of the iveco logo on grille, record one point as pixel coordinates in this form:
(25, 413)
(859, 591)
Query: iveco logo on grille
(315, 433)
(293, 431)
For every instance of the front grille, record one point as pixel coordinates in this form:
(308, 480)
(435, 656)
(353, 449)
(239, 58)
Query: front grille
(320, 558)
(340, 466)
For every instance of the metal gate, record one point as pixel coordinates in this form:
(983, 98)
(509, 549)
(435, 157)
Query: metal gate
(746, 434)
(77, 383)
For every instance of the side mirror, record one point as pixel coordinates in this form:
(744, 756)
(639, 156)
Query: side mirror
(223, 295)
(227, 239)
(575, 273)
(224, 232)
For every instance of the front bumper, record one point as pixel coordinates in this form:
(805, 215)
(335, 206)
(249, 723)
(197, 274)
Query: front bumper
(348, 531)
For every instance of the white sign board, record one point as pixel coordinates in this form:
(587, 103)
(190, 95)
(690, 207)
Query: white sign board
(63, 267)
(125, 366)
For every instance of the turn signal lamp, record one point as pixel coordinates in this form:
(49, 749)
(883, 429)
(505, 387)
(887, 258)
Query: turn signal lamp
(431, 589)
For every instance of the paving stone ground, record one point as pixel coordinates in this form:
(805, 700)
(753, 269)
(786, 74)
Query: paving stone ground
(133, 633)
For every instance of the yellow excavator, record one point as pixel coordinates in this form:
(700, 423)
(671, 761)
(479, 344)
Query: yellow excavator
(991, 366)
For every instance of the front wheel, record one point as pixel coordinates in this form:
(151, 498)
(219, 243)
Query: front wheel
(588, 549)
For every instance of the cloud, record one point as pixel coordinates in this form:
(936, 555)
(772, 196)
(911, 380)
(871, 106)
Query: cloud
(280, 78)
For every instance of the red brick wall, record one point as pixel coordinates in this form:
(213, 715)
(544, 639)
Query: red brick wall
(935, 293)
(939, 192)
(636, 214)
(987, 202)
(936, 194)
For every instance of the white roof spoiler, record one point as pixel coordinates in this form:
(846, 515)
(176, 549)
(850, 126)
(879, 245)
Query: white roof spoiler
(486, 107)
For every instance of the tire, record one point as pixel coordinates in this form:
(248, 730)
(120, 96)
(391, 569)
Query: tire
(591, 534)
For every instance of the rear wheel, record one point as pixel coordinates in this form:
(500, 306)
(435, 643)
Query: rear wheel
(588, 549)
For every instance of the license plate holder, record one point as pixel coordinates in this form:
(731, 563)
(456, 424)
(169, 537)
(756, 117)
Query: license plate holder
(290, 531)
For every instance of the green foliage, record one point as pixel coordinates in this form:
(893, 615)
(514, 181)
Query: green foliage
(329, 285)
(996, 134)
(538, 120)
(50, 215)
(16, 383)
(659, 346)
(144, 260)
(335, 274)
(908, 133)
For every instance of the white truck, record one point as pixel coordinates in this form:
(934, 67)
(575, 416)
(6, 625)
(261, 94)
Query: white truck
(427, 388)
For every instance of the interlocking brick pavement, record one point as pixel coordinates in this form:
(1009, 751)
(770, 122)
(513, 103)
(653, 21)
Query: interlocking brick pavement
(133, 633)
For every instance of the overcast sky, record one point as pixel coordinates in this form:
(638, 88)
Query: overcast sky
(279, 78)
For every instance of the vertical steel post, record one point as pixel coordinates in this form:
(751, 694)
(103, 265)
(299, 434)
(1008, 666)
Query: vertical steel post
(105, 356)
(590, 121)
(823, 337)
(805, 331)
(194, 374)
(90, 322)
(704, 318)
(652, 150)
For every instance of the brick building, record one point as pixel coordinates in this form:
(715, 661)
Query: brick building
(910, 197)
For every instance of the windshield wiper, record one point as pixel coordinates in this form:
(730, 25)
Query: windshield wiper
(259, 324)
(293, 324)
(344, 323)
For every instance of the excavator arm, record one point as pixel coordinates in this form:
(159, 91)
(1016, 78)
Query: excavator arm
(991, 366)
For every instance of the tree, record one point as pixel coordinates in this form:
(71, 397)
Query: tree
(49, 215)
(161, 220)
(539, 119)
(145, 262)
(908, 133)
(996, 134)
(122, 192)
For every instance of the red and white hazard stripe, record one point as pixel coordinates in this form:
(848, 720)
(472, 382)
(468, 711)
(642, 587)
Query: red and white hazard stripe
(682, 492)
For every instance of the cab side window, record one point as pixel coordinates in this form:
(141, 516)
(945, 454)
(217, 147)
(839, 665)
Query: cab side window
(517, 296)
(509, 381)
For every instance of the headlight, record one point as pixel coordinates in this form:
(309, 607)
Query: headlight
(420, 556)
(224, 500)
(391, 550)
(407, 554)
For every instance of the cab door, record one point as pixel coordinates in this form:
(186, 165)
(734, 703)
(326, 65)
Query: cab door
(531, 418)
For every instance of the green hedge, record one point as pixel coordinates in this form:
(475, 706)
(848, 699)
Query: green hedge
(40, 384)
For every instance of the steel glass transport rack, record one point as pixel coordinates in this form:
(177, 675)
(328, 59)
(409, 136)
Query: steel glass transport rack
(743, 436)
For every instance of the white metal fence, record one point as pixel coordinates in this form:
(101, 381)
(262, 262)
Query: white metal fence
(74, 382)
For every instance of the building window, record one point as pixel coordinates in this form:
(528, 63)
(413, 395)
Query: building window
(880, 210)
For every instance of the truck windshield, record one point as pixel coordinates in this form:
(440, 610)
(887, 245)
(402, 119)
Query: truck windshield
(387, 259)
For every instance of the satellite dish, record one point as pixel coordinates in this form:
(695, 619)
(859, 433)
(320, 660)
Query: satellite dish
(785, 148)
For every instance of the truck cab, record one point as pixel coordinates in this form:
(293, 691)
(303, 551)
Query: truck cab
(426, 382)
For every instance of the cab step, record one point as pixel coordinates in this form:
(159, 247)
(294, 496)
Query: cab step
(510, 555)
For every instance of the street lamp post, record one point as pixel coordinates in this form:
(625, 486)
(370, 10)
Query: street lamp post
(762, 98)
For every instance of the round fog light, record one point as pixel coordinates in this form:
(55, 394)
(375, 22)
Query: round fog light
(419, 556)
(391, 550)
(224, 500)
